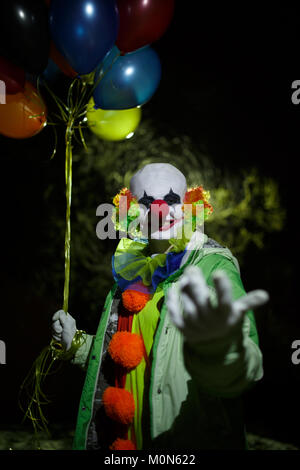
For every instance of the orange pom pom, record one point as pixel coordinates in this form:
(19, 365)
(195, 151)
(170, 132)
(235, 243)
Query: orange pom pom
(134, 301)
(122, 444)
(126, 349)
(118, 404)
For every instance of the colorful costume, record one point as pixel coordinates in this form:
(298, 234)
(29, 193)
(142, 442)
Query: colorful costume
(191, 397)
(174, 349)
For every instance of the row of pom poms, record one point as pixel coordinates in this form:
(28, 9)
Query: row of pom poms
(127, 350)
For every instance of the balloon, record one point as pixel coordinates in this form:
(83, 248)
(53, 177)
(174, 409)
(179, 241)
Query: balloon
(128, 82)
(24, 34)
(111, 124)
(61, 62)
(13, 76)
(84, 30)
(23, 115)
(52, 72)
(142, 22)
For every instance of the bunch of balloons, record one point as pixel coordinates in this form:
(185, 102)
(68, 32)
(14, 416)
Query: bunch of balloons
(109, 38)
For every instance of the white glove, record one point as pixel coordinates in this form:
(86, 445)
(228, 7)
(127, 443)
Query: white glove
(200, 320)
(63, 328)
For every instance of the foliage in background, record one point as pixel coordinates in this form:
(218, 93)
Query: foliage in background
(246, 207)
(245, 211)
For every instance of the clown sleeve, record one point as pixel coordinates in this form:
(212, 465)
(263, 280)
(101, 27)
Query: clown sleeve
(228, 366)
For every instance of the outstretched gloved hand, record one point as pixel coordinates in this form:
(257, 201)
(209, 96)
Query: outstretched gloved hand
(63, 328)
(192, 311)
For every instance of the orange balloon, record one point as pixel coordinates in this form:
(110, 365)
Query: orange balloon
(23, 115)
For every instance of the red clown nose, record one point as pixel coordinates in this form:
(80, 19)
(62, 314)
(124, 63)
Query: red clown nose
(159, 208)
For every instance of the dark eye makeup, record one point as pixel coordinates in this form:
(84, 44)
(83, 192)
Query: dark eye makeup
(170, 198)
(146, 200)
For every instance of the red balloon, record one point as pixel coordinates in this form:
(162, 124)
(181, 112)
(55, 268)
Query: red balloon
(12, 76)
(142, 22)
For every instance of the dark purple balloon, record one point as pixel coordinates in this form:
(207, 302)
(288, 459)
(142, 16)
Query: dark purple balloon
(142, 22)
(24, 34)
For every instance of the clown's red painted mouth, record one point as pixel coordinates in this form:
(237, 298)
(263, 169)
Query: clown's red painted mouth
(162, 225)
(169, 224)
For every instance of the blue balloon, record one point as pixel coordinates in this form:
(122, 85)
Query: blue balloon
(127, 81)
(84, 30)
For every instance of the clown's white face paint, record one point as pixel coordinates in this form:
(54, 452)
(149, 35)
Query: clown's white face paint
(152, 185)
(162, 228)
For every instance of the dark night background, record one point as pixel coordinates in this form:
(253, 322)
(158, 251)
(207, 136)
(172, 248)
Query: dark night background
(226, 83)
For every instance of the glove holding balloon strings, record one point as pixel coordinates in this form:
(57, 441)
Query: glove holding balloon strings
(64, 331)
(66, 340)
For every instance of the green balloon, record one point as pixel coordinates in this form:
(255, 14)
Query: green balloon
(113, 124)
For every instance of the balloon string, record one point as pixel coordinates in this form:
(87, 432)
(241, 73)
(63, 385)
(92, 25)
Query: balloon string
(68, 177)
(73, 110)
(100, 77)
(51, 356)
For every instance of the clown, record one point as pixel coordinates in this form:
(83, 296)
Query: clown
(177, 343)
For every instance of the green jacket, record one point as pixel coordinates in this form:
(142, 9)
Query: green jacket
(193, 399)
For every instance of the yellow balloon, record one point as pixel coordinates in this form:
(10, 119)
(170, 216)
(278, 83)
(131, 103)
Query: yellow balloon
(113, 124)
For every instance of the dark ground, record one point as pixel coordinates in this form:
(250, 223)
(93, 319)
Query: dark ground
(227, 74)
